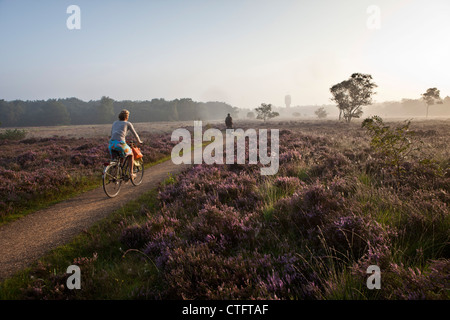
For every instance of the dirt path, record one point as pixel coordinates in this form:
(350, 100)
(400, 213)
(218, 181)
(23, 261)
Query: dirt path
(25, 240)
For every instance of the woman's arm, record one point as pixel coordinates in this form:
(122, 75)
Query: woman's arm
(131, 128)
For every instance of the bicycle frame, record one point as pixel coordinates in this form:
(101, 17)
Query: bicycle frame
(123, 163)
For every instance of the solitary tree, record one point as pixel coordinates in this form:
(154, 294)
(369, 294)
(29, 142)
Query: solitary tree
(250, 115)
(265, 112)
(321, 113)
(447, 100)
(352, 94)
(431, 97)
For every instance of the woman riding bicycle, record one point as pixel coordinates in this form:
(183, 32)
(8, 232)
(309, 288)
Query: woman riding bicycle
(117, 141)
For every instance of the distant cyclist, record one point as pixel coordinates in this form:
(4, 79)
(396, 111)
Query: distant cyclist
(229, 122)
(117, 141)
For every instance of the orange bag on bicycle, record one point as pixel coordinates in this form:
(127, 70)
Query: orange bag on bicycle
(136, 153)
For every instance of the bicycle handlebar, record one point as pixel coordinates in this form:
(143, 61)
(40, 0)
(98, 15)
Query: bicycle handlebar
(131, 142)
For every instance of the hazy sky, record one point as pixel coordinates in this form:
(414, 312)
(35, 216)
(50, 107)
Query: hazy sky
(243, 52)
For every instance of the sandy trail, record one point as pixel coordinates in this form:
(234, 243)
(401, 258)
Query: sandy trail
(25, 240)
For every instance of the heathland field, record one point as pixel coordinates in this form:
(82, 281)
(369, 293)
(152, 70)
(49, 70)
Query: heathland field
(52, 163)
(345, 197)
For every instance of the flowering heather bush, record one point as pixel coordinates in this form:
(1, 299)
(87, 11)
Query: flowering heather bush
(134, 237)
(54, 285)
(412, 284)
(51, 289)
(331, 164)
(213, 185)
(289, 155)
(324, 217)
(352, 235)
(221, 222)
(288, 184)
(408, 283)
(198, 272)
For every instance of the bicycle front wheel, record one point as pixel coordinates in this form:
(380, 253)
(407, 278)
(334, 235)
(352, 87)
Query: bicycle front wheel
(112, 179)
(139, 171)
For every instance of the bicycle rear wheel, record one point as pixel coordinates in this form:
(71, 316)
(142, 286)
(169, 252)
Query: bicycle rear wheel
(139, 171)
(112, 179)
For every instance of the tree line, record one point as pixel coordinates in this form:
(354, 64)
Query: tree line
(349, 95)
(73, 111)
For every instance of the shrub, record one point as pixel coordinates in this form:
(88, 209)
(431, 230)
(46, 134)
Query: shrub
(15, 134)
(394, 144)
(400, 282)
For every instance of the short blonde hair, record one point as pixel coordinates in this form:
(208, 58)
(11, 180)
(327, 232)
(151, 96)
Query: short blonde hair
(124, 114)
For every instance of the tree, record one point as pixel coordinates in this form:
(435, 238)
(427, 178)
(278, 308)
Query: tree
(11, 112)
(321, 113)
(431, 97)
(53, 113)
(352, 94)
(105, 110)
(447, 100)
(235, 112)
(187, 109)
(174, 112)
(265, 112)
(251, 115)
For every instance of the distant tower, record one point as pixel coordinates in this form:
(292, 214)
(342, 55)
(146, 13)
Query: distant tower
(287, 100)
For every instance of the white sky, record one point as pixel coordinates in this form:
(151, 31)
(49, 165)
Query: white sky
(243, 52)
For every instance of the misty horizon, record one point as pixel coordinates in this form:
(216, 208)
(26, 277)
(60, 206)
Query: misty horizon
(241, 52)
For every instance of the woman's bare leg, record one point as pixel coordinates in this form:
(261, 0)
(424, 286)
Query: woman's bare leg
(131, 164)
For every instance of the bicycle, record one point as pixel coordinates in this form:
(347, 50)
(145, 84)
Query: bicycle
(117, 171)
